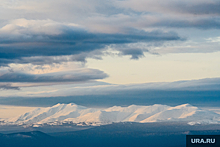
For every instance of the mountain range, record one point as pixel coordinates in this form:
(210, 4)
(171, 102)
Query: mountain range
(71, 113)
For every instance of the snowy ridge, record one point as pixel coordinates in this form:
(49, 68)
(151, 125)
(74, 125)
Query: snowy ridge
(72, 113)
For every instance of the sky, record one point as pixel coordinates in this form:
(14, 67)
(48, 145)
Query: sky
(69, 47)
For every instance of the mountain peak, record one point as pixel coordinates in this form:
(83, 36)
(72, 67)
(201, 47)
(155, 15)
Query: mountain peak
(58, 104)
(184, 106)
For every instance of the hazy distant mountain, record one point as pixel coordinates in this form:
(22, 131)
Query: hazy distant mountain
(71, 113)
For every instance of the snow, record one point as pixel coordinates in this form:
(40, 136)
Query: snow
(63, 113)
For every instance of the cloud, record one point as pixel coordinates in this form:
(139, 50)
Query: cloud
(190, 22)
(81, 75)
(193, 7)
(151, 21)
(106, 16)
(8, 86)
(105, 89)
(23, 40)
(135, 53)
(165, 13)
(199, 8)
(54, 28)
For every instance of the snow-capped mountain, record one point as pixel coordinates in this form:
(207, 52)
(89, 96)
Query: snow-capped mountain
(72, 113)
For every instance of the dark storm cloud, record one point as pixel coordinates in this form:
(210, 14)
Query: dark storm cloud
(8, 87)
(75, 76)
(26, 43)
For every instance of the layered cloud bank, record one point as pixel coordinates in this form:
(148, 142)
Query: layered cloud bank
(41, 41)
(58, 32)
(83, 29)
(74, 76)
(71, 113)
(75, 86)
(22, 39)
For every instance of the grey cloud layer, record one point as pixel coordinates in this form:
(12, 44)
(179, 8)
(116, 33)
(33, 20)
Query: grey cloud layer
(29, 38)
(39, 40)
(191, 22)
(203, 8)
(75, 76)
(106, 89)
(80, 11)
(8, 86)
(195, 7)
